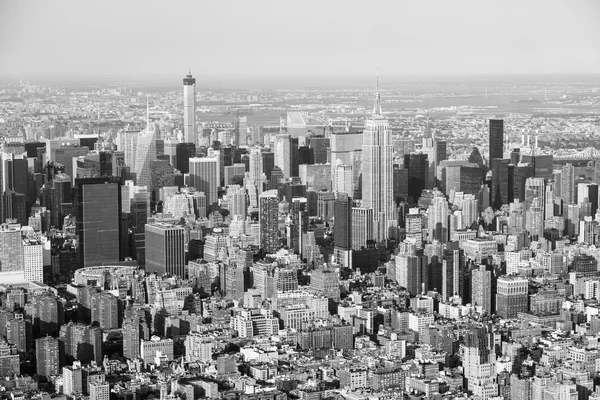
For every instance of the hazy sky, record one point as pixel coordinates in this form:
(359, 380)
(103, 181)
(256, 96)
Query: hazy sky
(297, 38)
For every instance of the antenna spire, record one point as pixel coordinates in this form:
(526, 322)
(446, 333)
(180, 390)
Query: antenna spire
(377, 106)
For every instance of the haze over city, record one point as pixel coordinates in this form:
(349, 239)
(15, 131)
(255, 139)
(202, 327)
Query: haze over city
(299, 200)
(280, 39)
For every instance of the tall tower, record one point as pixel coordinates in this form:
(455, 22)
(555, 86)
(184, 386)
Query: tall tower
(98, 213)
(568, 184)
(377, 153)
(342, 230)
(256, 168)
(189, 109)
(268, 217)
(205, 177)
(496, 139)
(438, 219)
(144, 155)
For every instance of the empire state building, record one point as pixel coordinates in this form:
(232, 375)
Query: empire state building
(377, 164)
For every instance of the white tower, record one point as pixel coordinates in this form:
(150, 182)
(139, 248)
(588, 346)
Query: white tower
(377, 161)
(189, 109)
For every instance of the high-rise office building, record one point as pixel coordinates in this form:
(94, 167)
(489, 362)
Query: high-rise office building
(269, 224)
(567, 190)
(33, 260)
(145, 153)
(342, 230)
(438, 219)
(299, 225)
(500, 183)
(453, 271)
(98, 221)
(512, 295)
(534, 218)
(165, 252)
(417, 165)
(436, 153)
(377, 164)
(205, 177)
(496, 140)
(241, 130)
(362, 227)
(481, 288)
(60, 196)
(534, 187)
(409, 272)
(183, 153)
(47, 356)
(479, 363)
(11, 248)
(13, 206)
(571, 216)
(588, 191)
(127, 143)
(236, 199)
(256, 168)
(268, 159)
(283, 154)
(189, 109)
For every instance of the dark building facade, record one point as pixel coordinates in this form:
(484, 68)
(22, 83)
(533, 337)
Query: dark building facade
(496, 140)
(98, 215)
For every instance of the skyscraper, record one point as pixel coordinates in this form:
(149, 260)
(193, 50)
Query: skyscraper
(342, 230)
(205, 177)
(268, 217)
(183, 153)
(500, 183)
(417, 165)
(481, 288)
(60, 196)
(98, 217)
(189, 109)
(33, 261)
(283, 154)
(11, 248)
(165, 251)
(256, 168)
(438, 219)
(362, 227)
(567, 190)
(47, 356)
(496, 140)
(299, 226)
(241, 129)
(377, 162)
(145, 153)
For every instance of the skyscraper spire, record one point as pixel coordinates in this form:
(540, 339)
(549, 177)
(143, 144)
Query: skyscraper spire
(147, 112)
(377, 106)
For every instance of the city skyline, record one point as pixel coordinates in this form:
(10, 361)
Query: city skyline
(236, 39)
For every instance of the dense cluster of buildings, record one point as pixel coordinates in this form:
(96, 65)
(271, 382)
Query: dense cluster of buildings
(301, 260)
